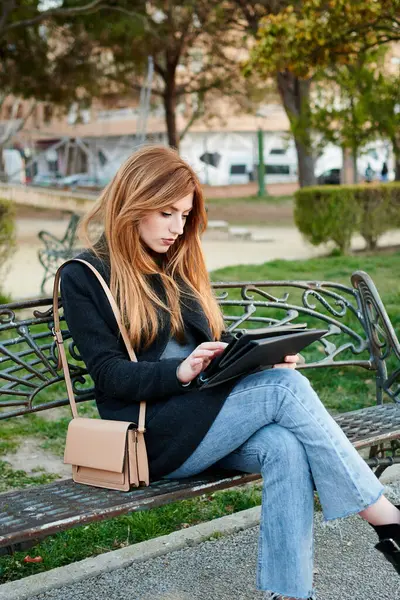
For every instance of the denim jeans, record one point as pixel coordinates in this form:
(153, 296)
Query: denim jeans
(273, 423)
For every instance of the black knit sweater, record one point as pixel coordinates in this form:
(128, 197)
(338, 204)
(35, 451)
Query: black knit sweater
(177, 418)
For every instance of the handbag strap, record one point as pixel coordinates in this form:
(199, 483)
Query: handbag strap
(62, 357)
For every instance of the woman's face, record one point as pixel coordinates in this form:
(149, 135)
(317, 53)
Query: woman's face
(160, 229)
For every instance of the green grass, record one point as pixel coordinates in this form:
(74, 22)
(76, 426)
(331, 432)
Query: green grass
(10, 478)
(383, 268)
(341, 389)
(96, 538)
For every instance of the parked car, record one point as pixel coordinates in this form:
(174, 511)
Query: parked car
(329, 177)
(47, 179)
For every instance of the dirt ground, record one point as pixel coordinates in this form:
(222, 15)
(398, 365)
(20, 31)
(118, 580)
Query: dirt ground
(235, 213)
(246, 213)
(249, 189)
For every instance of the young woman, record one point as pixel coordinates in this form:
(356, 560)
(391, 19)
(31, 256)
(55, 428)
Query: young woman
(270, 421)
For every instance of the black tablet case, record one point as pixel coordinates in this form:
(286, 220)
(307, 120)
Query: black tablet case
(257, 348)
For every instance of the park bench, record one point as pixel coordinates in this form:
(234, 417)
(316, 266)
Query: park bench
(360, 336)
(56, 251)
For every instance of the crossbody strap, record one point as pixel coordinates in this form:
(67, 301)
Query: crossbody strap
(62, 357)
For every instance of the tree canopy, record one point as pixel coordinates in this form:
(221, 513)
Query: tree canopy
(187, 41)
(313, 34)
(38, 55)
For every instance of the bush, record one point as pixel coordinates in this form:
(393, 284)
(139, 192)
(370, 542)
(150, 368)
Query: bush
(335, 213)
(7, 235)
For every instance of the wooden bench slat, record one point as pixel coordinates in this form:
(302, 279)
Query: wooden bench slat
(43, 510)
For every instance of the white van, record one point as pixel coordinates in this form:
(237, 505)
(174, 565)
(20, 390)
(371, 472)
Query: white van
(228, 168)
(14, 166)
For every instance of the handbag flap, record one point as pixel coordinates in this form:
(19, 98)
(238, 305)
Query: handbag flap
(97, 443)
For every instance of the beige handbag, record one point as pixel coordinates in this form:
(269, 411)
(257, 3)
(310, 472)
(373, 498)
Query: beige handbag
(103, 453)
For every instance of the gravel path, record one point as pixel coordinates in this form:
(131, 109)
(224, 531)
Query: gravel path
(347, 568)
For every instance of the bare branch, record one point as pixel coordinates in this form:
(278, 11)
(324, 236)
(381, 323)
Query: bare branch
(7, 8)
(10, 132)
(199, 112)
(93, 6)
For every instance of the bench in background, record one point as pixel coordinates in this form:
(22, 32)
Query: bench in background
(360, 336)
(56, 251)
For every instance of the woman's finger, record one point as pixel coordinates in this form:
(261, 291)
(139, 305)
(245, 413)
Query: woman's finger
(202, 353)
(290, 365)
(292, 358)
(213, 346)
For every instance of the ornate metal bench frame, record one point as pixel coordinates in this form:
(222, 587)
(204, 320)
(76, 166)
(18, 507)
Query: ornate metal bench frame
(356, 314)
(56, 251)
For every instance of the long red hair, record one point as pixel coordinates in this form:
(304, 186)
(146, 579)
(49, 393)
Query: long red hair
(153, 178)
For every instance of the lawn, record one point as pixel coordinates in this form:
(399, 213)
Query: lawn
(339, 389)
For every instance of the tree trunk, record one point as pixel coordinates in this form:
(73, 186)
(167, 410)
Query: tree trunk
(170, 109)
(295, 94)
(306, 164)
(355, 169)
(3, 174)
(397, 168)
(396, 152)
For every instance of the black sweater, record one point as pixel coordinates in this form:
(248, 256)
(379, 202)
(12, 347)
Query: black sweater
(177, 418)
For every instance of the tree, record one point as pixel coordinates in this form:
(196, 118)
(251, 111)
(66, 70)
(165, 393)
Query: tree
(294, 91)
(359, 102)
(384, 108)
(41, 60)
(341, 105)
(187, 41)
(297, 40)
(313, 34)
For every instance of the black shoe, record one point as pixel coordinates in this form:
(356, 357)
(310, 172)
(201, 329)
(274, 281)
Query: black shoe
(389, 542)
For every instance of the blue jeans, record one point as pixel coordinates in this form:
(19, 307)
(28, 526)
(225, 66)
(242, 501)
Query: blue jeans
(273, 423)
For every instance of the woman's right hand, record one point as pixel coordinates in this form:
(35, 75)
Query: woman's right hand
(199, 360)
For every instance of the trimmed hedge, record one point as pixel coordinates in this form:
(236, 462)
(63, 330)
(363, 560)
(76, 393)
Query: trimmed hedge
(7, 235)
(335, 212)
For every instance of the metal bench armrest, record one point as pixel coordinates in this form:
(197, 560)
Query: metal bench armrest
(384, 343)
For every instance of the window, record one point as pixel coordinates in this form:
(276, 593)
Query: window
(278, 151)
(277, 170)
(238, 170)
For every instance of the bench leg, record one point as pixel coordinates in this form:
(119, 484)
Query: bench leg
(380, 458)
(19, 546)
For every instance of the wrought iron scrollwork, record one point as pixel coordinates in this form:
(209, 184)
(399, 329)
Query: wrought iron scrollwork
(359, 333)
(28, 360)
(384, 343)
(328, 304)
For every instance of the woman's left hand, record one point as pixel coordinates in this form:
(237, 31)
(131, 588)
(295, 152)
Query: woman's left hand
(291, 362)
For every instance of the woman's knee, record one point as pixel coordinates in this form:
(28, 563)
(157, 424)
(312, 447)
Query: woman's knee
(291, 381)
(278, 445)
(290, 377)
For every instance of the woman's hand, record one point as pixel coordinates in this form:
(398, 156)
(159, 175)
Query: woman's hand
(198, 360)
(291, 362)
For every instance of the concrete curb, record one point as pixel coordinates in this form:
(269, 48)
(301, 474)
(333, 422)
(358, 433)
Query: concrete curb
(90, 567)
